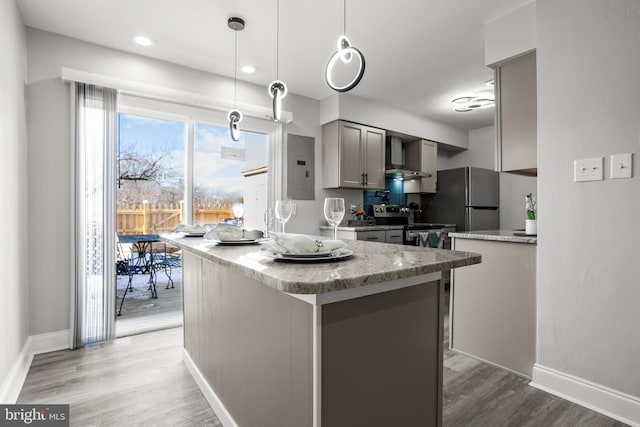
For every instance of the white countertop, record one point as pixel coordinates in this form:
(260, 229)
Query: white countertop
(496, 235)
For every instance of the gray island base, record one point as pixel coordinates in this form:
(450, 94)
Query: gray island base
(355, 342)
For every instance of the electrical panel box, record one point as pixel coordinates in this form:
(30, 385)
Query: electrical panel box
(300, 167)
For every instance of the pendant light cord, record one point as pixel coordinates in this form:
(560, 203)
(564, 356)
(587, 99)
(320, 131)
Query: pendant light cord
(235, 72)
(277, 39)
(344, 17)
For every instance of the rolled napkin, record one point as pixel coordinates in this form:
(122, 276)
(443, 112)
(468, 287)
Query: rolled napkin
(231, 232)
(300, 244)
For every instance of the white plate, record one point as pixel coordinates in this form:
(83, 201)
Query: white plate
(235, 242)
(331, 256)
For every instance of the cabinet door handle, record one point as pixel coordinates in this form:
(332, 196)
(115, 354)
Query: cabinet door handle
(394, 236)
(366, 179)
(363, 179)
(373, 238)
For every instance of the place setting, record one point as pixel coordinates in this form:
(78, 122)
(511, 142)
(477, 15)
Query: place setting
(294, 247)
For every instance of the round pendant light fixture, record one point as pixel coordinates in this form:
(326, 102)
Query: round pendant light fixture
(345, 53)
(235, 116)
(277, 89)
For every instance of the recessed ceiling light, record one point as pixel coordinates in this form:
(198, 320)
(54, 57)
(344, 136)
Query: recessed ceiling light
(143, 41)
(249, 69)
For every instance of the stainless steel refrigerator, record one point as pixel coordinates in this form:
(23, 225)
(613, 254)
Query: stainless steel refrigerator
(468, 197)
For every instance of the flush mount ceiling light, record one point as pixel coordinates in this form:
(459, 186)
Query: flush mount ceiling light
(249, 69)
(235, 116)
(345, 53)
(143, 41)
(277, 89)
(465, 104)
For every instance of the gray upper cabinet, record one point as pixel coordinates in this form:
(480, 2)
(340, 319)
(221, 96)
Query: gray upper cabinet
(421, 155)
(516, 119)
(352, 156)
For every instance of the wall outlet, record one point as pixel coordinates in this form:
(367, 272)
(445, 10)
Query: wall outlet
(294, 209)
(588, 169)
(621, 165)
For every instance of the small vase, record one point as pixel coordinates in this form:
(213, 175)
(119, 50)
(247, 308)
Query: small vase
(530, 226)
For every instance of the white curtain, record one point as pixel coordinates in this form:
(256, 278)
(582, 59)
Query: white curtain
(95, 142)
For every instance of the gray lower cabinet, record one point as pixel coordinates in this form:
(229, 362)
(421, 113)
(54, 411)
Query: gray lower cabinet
(374, 236)
(394, 236)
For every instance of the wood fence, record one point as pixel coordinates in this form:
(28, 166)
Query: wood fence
(147, 218)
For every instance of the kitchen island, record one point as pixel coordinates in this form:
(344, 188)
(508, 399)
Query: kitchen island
(493, 305)
(345, 343)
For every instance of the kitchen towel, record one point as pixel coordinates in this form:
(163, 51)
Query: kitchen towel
(429, 239)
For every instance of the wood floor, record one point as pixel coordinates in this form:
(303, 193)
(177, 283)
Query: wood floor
(141, 381)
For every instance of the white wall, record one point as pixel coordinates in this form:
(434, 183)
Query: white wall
(588, 270)
(510, 35)
(374, 113)
(14, 315)
(49, 152)
(482, 154)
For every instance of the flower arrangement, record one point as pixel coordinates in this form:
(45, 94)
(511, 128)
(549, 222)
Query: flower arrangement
(530, 205)
(357, 211)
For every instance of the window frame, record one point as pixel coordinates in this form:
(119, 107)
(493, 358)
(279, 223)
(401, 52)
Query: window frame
(188, 114)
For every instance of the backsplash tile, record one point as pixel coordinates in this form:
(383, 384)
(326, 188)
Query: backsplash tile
(396, 195)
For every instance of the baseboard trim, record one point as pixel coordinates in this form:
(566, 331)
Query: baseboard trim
(612, 403)
(214, 401)
(35, 344)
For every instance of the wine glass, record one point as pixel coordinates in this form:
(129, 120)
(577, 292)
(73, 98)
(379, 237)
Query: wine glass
(333, 213)
(268, 221)
(237, 210)
(283, 211)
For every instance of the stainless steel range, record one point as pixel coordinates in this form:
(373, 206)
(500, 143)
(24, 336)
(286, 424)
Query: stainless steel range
(400, 215)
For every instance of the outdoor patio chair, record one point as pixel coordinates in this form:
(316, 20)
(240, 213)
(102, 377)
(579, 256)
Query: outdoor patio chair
(167, 260)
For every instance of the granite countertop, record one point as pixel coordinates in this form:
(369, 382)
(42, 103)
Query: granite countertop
(371, 263)
(516, 236)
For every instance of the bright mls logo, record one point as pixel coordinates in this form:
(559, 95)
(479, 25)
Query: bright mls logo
(34, 415)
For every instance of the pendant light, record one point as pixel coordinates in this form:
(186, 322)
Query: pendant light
(235, 116)
(345, 53)
(277, 89)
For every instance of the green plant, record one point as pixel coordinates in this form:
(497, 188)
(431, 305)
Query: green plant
(530, 205)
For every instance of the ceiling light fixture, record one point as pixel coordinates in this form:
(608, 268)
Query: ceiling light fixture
(345, 53)
(249, 69)
(235, 116)
(465, 104)
(143, 41)
(277, 89)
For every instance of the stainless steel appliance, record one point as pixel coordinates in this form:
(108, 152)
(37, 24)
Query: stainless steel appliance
(400, 215)
(468, 197)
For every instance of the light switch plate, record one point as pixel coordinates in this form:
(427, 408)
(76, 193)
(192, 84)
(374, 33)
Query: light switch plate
(588, 169)
(621, 165)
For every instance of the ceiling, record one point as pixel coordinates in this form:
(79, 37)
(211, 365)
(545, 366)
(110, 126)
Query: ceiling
(419, 54)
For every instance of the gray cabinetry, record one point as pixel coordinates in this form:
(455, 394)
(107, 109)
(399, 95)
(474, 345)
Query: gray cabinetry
(352, 156)
(373, 236)
(516, 119)
(394, 236)
(421, 155)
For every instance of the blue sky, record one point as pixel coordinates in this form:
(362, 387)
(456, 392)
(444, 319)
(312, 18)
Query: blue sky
(149, 137)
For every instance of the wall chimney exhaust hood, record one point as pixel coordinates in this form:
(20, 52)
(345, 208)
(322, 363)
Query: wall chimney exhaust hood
(395, 164)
